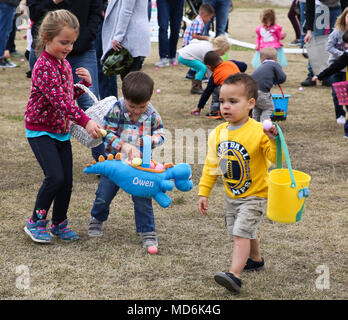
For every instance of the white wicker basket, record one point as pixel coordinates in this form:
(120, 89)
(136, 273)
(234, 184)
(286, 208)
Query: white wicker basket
(96, 112)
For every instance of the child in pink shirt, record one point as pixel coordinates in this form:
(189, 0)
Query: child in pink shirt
(50, 109)
(269, 34)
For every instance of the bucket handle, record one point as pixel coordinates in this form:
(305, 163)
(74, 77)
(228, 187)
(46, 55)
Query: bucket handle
(281, 90)
(281, 146)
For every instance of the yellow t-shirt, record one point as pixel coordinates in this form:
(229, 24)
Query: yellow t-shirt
(242, 156)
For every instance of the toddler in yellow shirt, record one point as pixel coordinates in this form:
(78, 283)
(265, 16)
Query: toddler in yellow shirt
(241, 151)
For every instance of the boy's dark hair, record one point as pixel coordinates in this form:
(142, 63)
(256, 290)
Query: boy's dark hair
(345, 37)
(137, 87)
(206, 8)
(247, 81)
(211, 58)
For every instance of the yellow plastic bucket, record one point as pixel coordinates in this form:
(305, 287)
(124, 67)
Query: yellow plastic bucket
(287, 188)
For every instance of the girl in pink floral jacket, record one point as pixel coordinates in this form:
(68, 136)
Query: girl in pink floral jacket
(269, 34)
(50, 109)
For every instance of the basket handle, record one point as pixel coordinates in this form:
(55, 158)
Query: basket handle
(281, 146)
(85, 89)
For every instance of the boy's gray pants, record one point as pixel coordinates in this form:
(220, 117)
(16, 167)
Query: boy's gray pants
(264, 106)
(215, 101)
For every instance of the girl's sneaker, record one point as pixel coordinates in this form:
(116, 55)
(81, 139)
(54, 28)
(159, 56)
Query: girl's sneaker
(37, 231)
(62, 231)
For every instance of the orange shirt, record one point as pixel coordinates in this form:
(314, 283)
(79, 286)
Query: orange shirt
(223, 70)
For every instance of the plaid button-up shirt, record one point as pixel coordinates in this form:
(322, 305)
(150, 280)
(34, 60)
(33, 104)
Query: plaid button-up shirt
(120, 128)
(196, 26)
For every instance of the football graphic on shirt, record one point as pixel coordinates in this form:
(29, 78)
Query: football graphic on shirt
(234, 166)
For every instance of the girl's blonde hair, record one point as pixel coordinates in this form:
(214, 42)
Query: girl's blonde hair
(341, 20)
(52, 25)
(220, 44)
(268, 15)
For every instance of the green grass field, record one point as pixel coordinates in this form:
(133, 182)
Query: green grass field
(298, 257)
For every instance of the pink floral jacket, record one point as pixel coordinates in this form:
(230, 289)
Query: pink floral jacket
(268, 37)
(51, 104)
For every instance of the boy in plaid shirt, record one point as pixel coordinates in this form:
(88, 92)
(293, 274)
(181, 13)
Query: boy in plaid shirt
(126, 123)
(196, 29)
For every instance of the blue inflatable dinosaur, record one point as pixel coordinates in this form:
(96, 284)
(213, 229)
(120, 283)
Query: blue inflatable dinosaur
(143, 181)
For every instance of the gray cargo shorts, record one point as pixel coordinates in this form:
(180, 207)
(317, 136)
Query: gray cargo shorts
(243, 216)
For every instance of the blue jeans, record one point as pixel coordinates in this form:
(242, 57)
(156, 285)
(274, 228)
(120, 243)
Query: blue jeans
(107, 84)
(55, 159)
(86, 60)
(32, 58)
(169, 12)
(222, 9)
(7, 13)
(337, 77)
(324, 18)
(143, 211)
(302, 6)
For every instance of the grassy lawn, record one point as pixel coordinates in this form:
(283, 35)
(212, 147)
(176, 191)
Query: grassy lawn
(191, 247)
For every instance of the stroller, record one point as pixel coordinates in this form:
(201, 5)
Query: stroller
(191, 8)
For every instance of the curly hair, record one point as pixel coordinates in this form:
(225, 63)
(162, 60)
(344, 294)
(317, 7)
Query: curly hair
(249, 83)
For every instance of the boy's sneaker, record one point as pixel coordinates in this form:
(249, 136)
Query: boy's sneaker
(341, 120)
(150, 242)
(252, 265)
(213, 115)
(5, 63)
(205, 79)
(62, 231)
(95, 228)
(190, 75)
(229, 281)
(37, 231)
(164, 62)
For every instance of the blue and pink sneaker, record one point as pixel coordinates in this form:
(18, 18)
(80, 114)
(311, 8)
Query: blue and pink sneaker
(62, 231)
(37, 231)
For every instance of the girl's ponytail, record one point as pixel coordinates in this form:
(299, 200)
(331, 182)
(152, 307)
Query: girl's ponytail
(52, 25)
